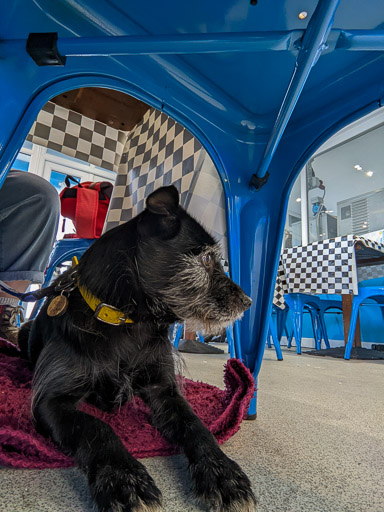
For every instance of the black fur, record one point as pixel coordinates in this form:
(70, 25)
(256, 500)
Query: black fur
(160, 267)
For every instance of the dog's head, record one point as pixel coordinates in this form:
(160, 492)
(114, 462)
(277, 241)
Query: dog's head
(179, 265)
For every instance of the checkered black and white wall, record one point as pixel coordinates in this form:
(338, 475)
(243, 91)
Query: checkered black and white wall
(157, 152)
(78, 136)
(160, 152)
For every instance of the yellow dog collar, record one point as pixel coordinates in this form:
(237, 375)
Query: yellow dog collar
(103, 312)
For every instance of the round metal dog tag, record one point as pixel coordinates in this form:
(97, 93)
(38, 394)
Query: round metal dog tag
(57, 306)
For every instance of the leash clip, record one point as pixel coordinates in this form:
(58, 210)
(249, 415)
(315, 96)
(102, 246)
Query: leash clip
(68, 284)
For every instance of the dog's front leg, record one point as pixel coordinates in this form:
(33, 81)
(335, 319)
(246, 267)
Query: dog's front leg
(219, 482)
(118, 482)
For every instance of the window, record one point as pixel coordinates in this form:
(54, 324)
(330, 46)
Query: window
(340, 191)
(24, 157)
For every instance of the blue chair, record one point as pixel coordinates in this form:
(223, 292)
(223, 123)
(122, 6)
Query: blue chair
(370, 289)
(63, 250)
(316, 306)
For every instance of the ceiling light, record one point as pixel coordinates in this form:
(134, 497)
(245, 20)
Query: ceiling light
(302, 15)
(369, 174)
(298, 200)
(358, 167)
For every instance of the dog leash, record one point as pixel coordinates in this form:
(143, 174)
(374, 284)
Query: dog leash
(58, 305)
(31, 296)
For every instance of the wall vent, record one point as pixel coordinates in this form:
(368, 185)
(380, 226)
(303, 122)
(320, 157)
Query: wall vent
(360, 217)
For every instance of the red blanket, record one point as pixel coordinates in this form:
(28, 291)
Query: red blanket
(22, 447)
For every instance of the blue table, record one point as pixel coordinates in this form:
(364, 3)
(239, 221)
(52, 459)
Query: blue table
(261, 85)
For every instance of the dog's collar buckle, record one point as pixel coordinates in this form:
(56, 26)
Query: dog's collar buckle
(102, 311)
(110, 315)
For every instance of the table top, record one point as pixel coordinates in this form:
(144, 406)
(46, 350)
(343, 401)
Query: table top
(333, 266)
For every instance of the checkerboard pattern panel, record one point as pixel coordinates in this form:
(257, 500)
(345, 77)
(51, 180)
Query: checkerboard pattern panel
(321, 267)
(158, 152)
(281, 288)
(207, 203)
(78, 136)
(326, 267)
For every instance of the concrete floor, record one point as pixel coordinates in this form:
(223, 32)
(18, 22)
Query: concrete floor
(317, 444)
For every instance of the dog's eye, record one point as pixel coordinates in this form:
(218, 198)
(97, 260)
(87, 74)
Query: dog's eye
(207, 260)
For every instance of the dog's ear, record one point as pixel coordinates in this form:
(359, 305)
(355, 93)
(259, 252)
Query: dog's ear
(163, 201)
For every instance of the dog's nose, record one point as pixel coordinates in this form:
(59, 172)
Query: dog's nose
(247, 301)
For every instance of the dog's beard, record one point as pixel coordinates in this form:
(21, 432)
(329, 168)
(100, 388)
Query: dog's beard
(207, 301)
(210, 327)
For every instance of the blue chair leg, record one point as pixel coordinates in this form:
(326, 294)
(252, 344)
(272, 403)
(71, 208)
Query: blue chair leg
(297, 322)
(201, 337)
(231, 343)
(316, 325)
(179, 332)
(281, 320)
(352, 327)
(252, 411)
(289, 336)
(297, 329)
(273, 331)
(324, 329)
(296, 306)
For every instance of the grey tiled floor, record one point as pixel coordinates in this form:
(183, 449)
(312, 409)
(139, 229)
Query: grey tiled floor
(316, 446)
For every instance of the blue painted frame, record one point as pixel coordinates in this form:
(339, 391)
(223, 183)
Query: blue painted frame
(260, 88)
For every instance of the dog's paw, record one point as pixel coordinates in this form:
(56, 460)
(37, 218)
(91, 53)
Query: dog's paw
(221, 485)
(132, 489)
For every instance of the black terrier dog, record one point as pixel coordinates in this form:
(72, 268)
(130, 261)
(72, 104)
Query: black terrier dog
(102, 336)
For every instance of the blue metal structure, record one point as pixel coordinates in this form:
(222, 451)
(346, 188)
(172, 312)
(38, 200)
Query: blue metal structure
(260, 83)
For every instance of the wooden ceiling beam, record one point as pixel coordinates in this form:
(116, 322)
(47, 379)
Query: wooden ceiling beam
(113, 108)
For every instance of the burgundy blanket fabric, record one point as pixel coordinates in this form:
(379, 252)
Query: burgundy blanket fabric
(22, 447)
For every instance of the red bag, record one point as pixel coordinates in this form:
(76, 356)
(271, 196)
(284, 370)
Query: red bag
(86, 204)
